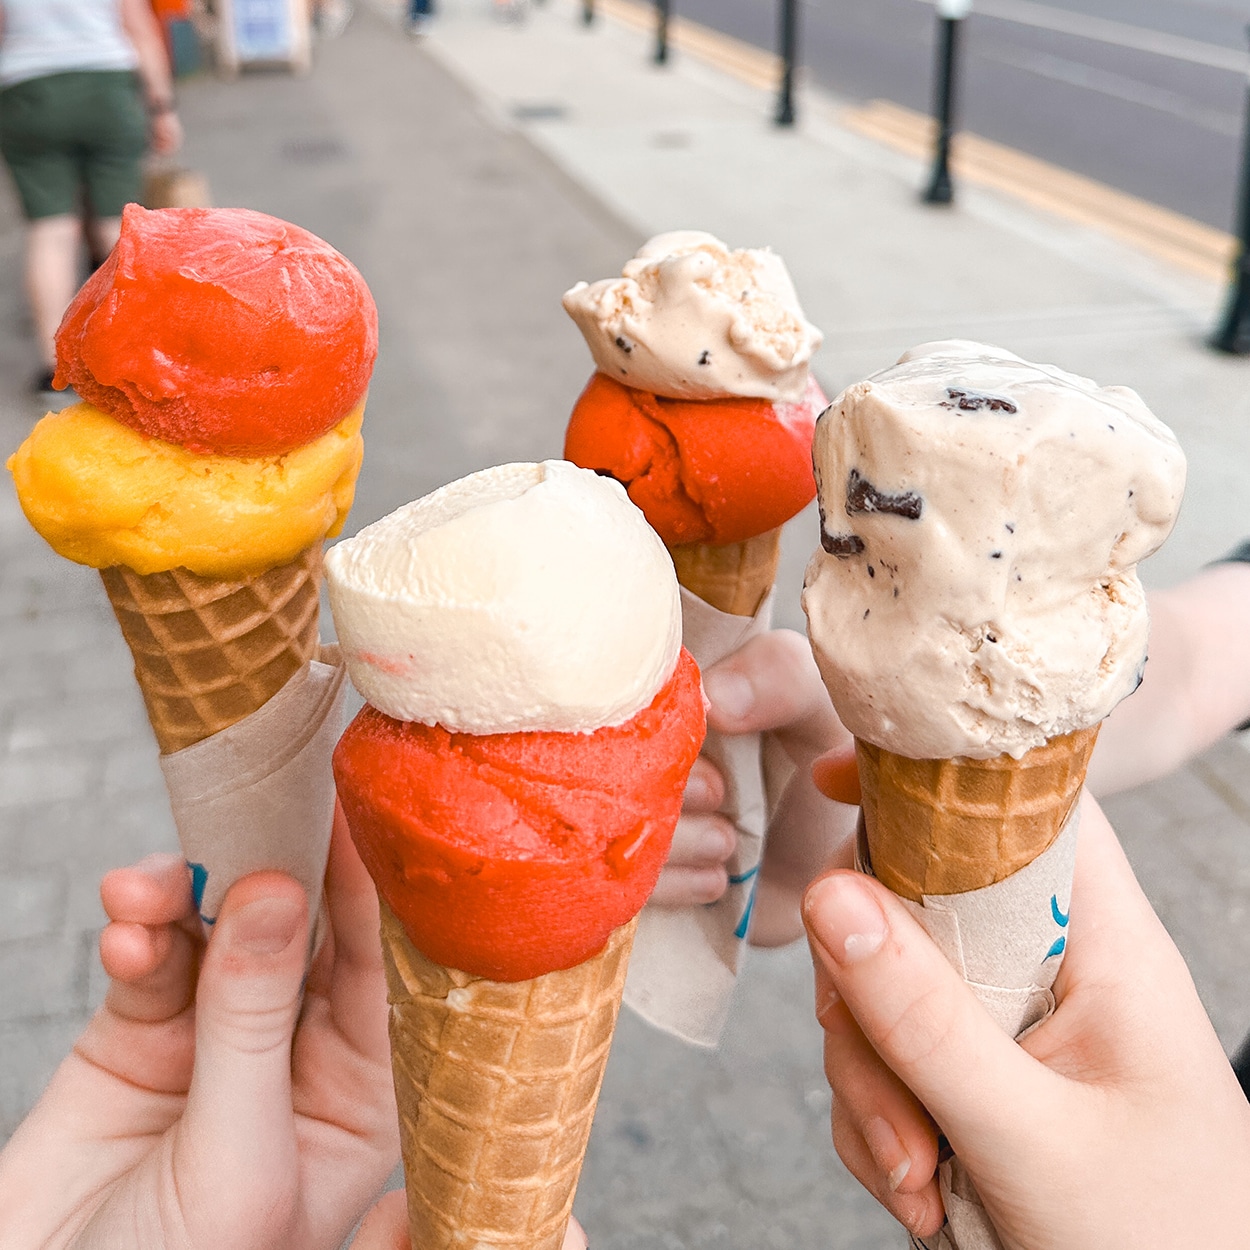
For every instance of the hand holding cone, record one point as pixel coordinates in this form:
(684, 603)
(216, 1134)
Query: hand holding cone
(975, 612)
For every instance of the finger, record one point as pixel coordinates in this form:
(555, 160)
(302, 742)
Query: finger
(155, 891)
(358, 988)
(898, 1132)
(689, 887)
(239, 1122)
(772, 683)
(703, 841)
(575, 1237)
(836, 774)
(151, 970)
(705, 787)
(924, 1021)
(919, 1211)
(386, 1226)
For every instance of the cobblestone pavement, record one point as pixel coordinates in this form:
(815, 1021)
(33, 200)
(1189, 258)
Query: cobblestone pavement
(468, 228)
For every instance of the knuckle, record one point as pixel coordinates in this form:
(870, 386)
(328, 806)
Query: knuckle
(922, 1029)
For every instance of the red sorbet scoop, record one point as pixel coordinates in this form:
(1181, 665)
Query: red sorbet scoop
(703, 471)
(512, 855)
(220, 329)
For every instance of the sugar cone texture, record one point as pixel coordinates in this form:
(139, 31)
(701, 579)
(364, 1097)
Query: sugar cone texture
(733, 578)
(947, 826)
(208, 652)
(496, 1084)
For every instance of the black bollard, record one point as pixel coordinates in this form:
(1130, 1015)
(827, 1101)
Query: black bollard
(1233, 334)
(950, 14)
(588, 12)
(661, 31)
(789, 58)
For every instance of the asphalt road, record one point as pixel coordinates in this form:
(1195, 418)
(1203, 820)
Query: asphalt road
(1145, 95)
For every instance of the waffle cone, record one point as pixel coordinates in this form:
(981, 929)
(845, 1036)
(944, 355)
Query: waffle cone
(496, 1084)
(733, 578)
(208, 652)
(947, 826)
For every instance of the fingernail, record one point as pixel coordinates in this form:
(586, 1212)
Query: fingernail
(266, 926)
(730, 693)
(887, 1151)
(844, 918)
(827, 1003)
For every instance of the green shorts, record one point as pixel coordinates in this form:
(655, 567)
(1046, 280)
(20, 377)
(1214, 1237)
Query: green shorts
(68, 135)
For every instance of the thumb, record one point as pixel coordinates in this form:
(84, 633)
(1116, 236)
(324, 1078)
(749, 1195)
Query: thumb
(239, 1117)
(921, 1017)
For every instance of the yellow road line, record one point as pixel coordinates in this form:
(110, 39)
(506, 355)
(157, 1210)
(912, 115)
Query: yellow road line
(1191, 244)
(743, 61)
(1160, 232)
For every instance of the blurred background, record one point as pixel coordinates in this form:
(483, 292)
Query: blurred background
(475, 159)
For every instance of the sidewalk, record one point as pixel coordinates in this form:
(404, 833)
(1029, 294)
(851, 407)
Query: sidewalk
(474, 177)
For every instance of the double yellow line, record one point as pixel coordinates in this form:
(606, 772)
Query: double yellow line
(1190, 245)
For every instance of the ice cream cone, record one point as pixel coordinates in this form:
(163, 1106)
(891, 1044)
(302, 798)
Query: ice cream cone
(949, 826)
(496, 1084)
(733, 578)
(209, 652)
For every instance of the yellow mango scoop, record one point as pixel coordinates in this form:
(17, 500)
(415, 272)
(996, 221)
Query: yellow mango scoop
(102, 494)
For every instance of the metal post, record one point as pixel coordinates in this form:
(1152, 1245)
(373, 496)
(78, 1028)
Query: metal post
(1233, 334)
(950, 14)
(789, 57)
(661, 31)
(588, 12)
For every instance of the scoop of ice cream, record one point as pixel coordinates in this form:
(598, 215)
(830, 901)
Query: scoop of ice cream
(708, 471)
(512, 855)
(982, 519)
(524, 597)
(101, 494)
(221, 330)
(690, 319)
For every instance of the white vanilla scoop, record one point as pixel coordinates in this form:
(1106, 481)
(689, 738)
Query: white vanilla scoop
(982, 519)
(690, 319)
(524, 597)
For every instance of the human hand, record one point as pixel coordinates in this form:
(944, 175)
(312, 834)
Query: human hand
(1116, 1122)
(386, 1227)
(165, 133)
(770, 685)
(235, 1112)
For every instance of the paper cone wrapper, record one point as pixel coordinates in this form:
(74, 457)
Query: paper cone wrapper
(950, 826)
(686, 959)
(209, 652)
(734, 578)
(496, 1084)
(260, 794)
(982, 853)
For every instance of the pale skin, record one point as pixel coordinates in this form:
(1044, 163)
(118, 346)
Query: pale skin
(52, 243)
(208, 1103)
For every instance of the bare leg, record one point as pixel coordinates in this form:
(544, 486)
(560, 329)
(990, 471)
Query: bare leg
(104, 235)
(51, 275)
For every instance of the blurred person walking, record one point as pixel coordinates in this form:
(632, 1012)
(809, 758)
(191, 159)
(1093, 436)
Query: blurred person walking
(85, 85)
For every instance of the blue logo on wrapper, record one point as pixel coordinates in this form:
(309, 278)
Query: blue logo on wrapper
(199, 881)
(1061, 920)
